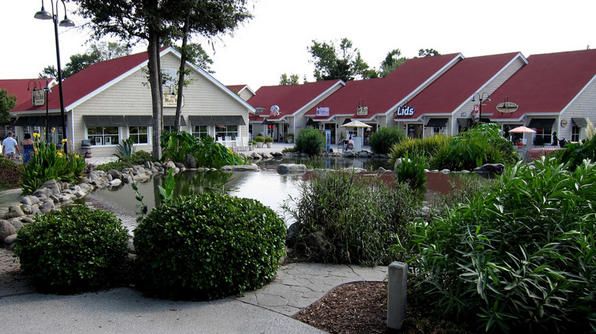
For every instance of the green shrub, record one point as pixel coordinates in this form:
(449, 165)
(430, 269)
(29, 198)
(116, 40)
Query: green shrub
(346, 218)
(117, 165)
(383, 139)
(411, 171)
(310, 141)
(208, 246)
(425, 147)
(125, 150)
(575, 153)
(475, 147)
(207, 152)
(49, 163)
(11, 174)
(268, 139)
(519, 257)
(260, 139)
(140, 157)
(73, 250)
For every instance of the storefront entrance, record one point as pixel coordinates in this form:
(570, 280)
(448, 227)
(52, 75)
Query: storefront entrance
(414, 130)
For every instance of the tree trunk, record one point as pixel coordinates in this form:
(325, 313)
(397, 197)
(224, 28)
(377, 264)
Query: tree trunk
(156, 96)
(181, 73)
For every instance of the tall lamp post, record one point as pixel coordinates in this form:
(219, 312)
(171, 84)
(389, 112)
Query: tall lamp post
(482, 97)
(66, 22)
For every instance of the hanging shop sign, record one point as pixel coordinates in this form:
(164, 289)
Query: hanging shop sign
(507, 107)
(362, 111)
(170, 100)
(274, 110)
(322, 111)
(405, 111)
(38, 97)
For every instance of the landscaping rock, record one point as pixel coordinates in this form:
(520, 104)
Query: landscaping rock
(277, 154)
(292, 234)
(445, 171)
(115, 174)
(354, 170)
(9, 240)
(16, 222)
(148, 165)
(291, 168)
(348, 154)
(142, 178)
(47, 207)
(53, 186)
(364, 154)
(6, 229)
(14, 211)
(26, 220)
(179, 165)
(190, 161)
(115, 183)
(29, 200)
(490, 169)
(241, 168)
(255, 155)
(170, 164)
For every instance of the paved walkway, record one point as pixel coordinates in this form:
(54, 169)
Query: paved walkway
(126, 311)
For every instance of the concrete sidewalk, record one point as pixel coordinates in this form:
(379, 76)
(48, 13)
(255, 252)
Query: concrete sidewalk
(124, 310)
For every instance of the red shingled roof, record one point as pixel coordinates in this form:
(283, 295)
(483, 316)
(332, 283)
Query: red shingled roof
(289, 98)
(547, 84)
(379, 95)
(88, 80)
(21, 88)
(236, 88)
(454, 87)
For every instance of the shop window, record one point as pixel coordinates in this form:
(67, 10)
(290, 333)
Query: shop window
(415, 130)
(138, 134)
(200, 131)
(168, 128)
(543, 136)
(226, 132)
(99, 136)
(575, 130)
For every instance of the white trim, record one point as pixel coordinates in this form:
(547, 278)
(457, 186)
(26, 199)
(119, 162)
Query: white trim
(249, 89)
(426, 83)
(528, 115)
(319, 98)
(565, 109)
(72, 139)
(210, 78)
(479, 90)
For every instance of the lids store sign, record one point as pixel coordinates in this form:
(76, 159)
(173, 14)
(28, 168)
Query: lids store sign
(404, 111)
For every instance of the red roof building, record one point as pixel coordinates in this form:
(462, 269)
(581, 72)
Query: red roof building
(22, 89)
(245, 92)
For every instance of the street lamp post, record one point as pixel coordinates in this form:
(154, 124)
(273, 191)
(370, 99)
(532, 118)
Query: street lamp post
(482, 97)
(66, 22)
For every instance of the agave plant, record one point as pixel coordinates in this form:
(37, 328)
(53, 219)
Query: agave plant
(125, 150)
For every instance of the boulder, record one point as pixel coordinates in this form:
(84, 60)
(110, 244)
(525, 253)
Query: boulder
(115, 174)
(179, 165)
(292, 234)
(355, 170)
(27, 209)
(490, 169)
(16, 223)
(348, 154)
(47, 207)
(26, 220)
(256, 155)
(364, 154)
(190, 161)
(291, 168)
(445, 171)
(6, 229)
(277, 154)
(53, 186)
(148, 164)
(381, 170)
(29, 200)
(15, 211)
(142, 178)
(116, 183)
(170, 164)
(9, 240)
(241, 168)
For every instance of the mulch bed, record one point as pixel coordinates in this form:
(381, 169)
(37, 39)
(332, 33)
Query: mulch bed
(361, 307)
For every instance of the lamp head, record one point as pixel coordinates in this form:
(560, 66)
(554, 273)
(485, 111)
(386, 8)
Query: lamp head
(66, 22)
(43, 14)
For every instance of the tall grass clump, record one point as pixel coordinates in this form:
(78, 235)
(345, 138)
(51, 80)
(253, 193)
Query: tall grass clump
(383, 139)
(519, 257)
(346, 218)
(411, 172)
(205, 151)
(425, 147)
(575, 153)
(310, 141)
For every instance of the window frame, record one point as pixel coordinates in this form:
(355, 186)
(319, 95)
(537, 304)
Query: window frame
(200, 133)
(103, 135)
(137, 135)
(227, 132)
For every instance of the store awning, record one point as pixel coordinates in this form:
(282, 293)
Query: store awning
(216, 120)
(138, 120)
(95, 121)
(580, 122)
(169, 120)
(437, 123)
(53, 121)
(541, 123)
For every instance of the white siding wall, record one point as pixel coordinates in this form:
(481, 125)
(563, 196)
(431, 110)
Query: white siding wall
(300, 120)
(132, 96)
(245, 94)
(490, 87)
(584, 106)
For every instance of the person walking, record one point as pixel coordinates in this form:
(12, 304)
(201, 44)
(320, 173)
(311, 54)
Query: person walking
(10, 147)
(28, 148)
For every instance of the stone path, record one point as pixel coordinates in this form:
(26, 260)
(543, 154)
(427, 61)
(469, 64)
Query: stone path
(300, 284)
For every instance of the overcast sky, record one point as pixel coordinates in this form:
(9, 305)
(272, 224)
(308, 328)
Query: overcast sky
(276, 39)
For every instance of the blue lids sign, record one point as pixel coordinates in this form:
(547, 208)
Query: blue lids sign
(405, 111)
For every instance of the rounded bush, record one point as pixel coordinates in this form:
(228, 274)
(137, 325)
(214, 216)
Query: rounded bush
(73, 250)
(310, 141)
(208, 246)
(427, 147)
(11, 173)
(383, 139)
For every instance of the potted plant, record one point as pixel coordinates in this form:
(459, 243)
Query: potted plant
(251, 145)
(268, 141)
(260, 140)
(290, 138)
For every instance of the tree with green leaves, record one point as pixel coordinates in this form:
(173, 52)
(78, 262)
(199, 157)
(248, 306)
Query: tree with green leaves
(393, 60)
(7, 102)
(428, 53)
(287, 80)
(156, 21)
(339, 62)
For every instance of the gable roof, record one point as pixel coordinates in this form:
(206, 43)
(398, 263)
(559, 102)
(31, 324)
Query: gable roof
(21, 89)
(382, 94)
(459, 83)
(290, 98)
(98, 77)
(546, 85)
(239, 88)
